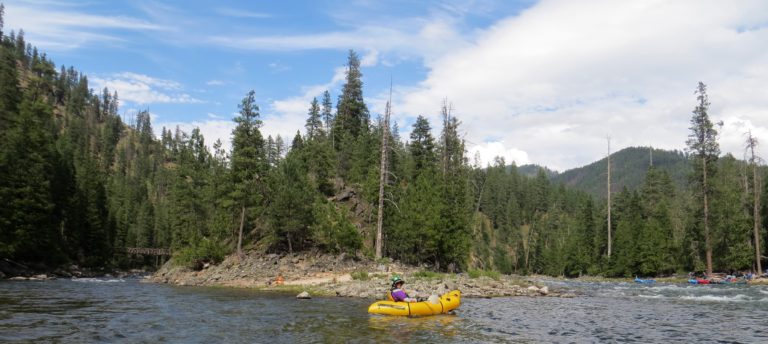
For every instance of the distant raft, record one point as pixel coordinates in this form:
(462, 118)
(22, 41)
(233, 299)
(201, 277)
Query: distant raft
(446, 303)
(644, 281)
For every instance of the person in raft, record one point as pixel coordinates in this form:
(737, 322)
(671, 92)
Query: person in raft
(397, 292)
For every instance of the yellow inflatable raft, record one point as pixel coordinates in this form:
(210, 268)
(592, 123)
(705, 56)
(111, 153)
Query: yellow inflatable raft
(447, 302)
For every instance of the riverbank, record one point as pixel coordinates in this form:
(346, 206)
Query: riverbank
(343, 276)
(37, 272)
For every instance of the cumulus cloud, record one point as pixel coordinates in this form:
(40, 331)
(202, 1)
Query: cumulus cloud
(404, 37)
(554, 81)
(488, 151)
(143, 89)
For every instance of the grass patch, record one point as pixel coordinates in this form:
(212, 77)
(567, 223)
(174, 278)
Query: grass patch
(487, 273)
(360, 275)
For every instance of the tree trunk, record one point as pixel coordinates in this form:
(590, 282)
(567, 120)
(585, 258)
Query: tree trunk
(240, 235)
(382, 179)
(290, 245)
(752, 142)
(707, 240)
(608, 188)
(756, 216)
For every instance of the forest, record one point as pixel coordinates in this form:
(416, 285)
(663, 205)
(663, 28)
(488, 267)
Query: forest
(79, 185)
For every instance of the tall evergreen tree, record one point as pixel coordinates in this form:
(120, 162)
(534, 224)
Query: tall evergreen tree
(314, 122)
(455, 238)
(702, 142)
(351, 125)
(422, 146)
(27, 156)
(10, 94)
(352, 114)
(656, 242)
(326, 114)
(730, 222)
(248, 161)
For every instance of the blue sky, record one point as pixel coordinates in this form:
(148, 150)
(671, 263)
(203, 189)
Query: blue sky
(536, 82)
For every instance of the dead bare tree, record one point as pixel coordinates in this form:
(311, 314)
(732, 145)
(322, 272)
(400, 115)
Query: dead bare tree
(608, 188)
(383, 174)
(754, 161)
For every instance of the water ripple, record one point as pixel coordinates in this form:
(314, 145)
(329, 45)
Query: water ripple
(116, 310)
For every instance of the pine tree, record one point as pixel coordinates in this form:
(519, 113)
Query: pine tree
(352, 114)
(351, 126)
(455, 236)
(702, 142)
(326, 114)
(655, 243)
(730, 227)
(422, 147)
(314, 122)
(10, 95)
(27, 156)
(248, 161)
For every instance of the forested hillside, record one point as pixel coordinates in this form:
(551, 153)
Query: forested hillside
(79, 185)
(628, 169)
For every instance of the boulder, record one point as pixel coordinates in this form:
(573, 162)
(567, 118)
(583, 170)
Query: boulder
(544, 290)
(303, 296)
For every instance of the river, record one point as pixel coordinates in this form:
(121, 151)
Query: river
(105, 310)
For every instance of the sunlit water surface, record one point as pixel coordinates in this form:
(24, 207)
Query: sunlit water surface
(127, 311)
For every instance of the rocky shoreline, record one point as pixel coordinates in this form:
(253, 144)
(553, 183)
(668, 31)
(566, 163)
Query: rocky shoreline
(343, 276)
(16, 271)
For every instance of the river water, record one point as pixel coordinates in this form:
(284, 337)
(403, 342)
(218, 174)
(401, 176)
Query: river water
(127, 311)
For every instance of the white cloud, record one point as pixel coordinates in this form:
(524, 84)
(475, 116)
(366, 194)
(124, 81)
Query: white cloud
(407, 37)
(370, 59)
(215, 82)
(554, 81)
(142, 89)
(488, 151)
(60, 27)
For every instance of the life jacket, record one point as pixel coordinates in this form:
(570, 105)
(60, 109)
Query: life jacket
(396, 290)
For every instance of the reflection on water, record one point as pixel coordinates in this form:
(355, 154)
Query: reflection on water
(115, 310)
(443, 325)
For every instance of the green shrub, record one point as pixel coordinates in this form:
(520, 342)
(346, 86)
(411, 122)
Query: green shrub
(204, 251)
(474, 273)
(360, 275)
(333, 232)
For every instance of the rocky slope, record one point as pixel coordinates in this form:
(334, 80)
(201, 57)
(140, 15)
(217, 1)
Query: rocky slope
(341, 276)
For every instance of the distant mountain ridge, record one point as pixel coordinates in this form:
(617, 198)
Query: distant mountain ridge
(628, 169)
